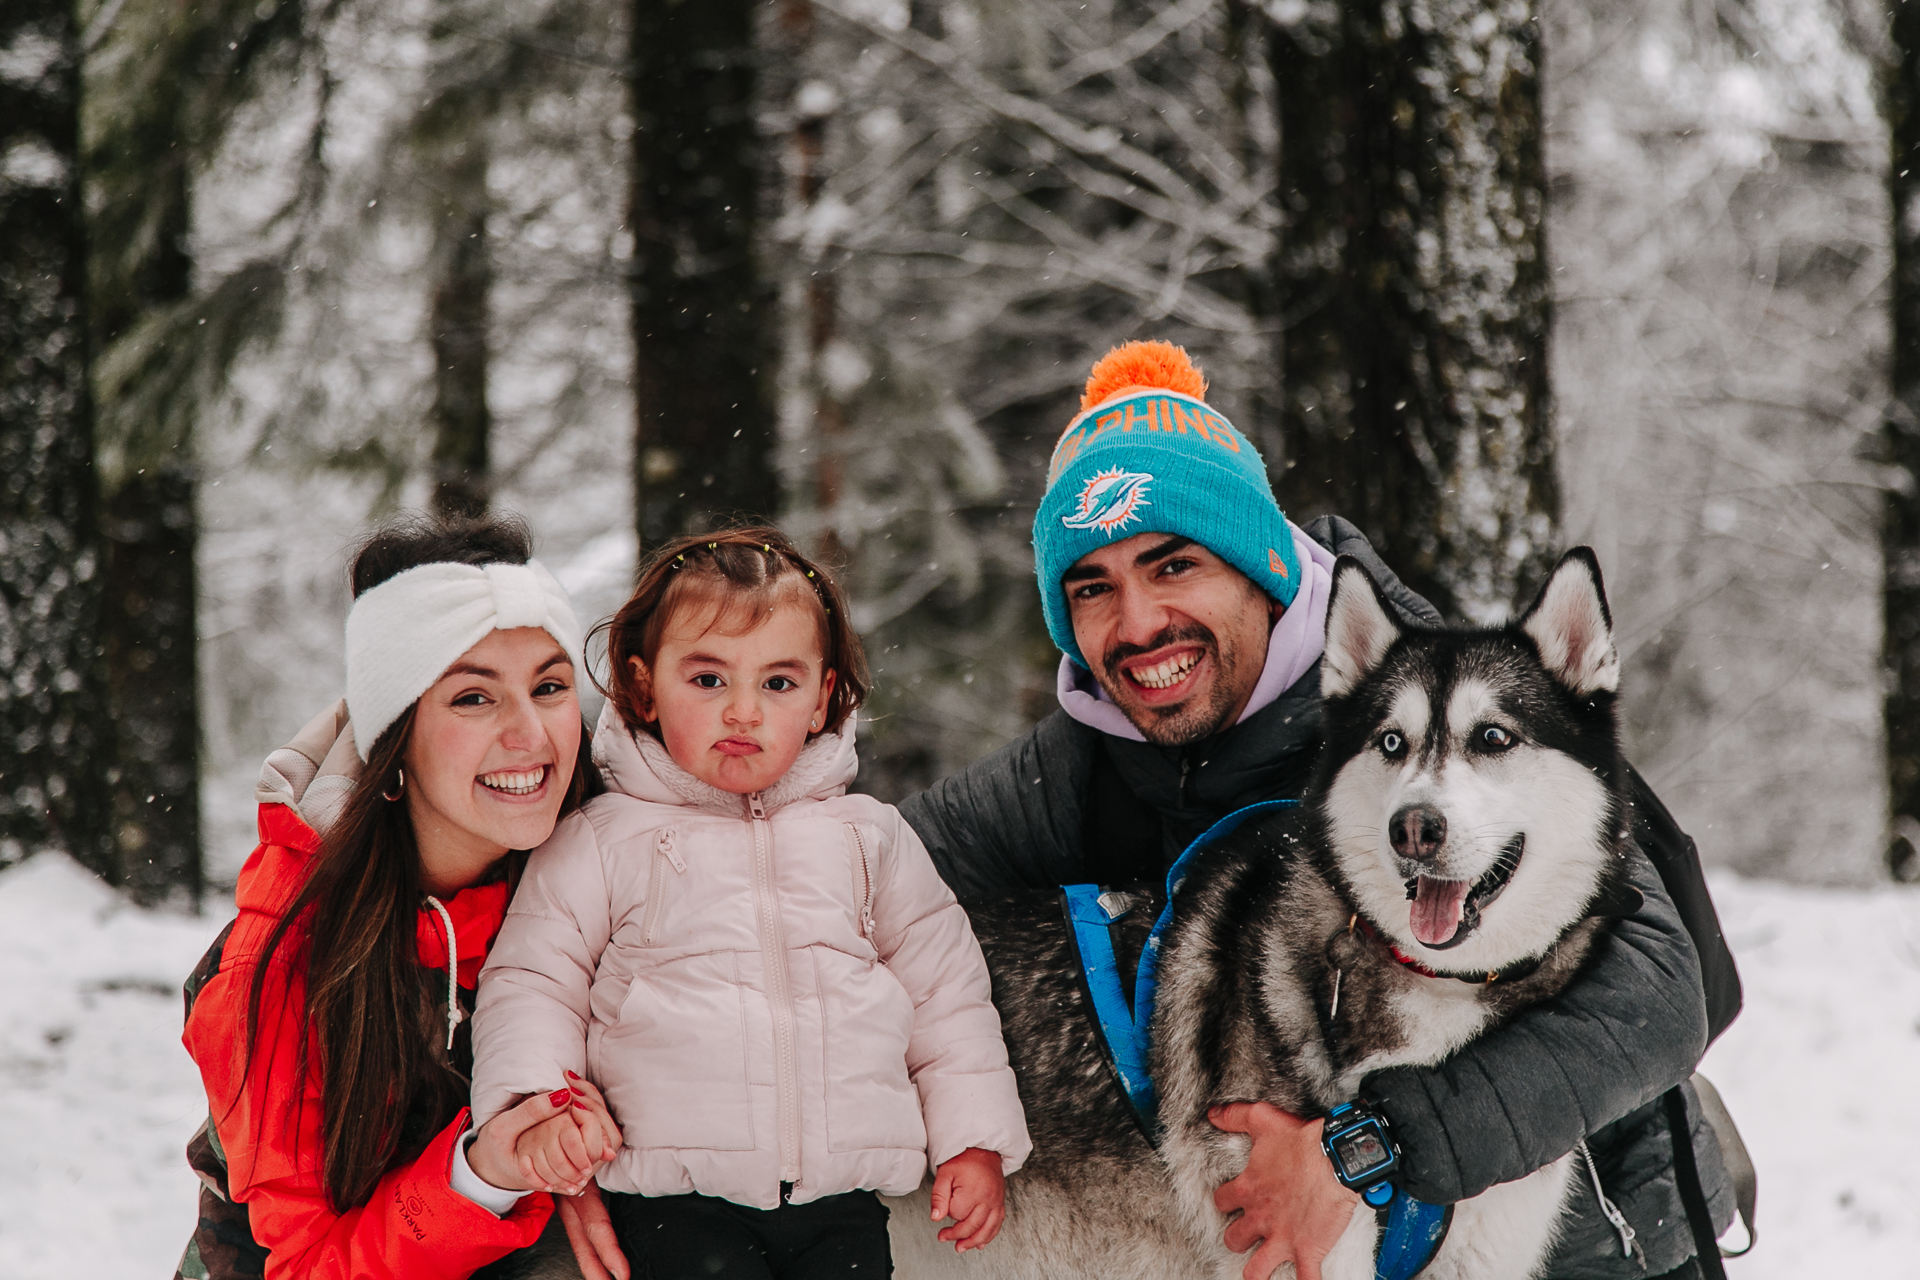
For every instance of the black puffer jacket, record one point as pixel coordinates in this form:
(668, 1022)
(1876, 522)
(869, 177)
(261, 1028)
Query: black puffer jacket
(1067, 804)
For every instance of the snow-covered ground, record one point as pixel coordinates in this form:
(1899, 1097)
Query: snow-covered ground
(97, 1098)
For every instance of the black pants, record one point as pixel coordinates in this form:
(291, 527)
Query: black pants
(696, 1237)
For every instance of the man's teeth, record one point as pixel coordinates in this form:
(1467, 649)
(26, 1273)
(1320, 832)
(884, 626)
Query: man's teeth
(1165, 674)
(515, 784)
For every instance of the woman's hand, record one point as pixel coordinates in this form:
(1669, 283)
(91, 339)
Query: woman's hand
(492, 1153)
(590, 1231)
(550, 1142)
(564, 1151)
(972, 1191)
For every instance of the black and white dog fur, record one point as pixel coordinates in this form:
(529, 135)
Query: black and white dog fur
(1466, 814)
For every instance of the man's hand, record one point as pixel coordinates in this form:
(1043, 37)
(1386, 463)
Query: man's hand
(972, 1191)
(590, 1231)
(1287, 1199)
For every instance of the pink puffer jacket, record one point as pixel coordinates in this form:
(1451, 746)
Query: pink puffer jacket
(768, 988)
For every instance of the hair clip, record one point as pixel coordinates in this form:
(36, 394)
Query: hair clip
(713, 546)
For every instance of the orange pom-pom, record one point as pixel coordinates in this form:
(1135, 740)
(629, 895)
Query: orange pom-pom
(1158, 366)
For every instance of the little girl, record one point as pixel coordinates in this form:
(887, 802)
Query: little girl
(782, 1003)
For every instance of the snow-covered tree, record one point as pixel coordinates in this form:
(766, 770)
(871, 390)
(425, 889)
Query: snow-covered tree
(1720, 251)
(53, 709)
(1900, 526)
(1412, 278)
(703, 323)
(980, 198)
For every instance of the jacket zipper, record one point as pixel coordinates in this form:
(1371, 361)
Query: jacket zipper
(663, 853)
(865, 888)
(773, 949)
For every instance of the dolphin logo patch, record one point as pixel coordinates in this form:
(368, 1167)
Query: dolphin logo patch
(1110, 499)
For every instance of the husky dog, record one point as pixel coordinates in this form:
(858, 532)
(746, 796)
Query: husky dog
(1453, 861)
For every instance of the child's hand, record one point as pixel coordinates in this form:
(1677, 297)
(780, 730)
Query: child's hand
(589, 1109)
(491, 1155)
(972, 1191)
(561, 1153)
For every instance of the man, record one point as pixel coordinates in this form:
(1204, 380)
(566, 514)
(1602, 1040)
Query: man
(1191, 615)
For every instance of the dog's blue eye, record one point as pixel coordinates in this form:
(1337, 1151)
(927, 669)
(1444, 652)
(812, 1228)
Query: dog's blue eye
(1494, 738)
(1392, 743)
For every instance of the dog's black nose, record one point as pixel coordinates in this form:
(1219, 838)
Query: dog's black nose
(1417, 832)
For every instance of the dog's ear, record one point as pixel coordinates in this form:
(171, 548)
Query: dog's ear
(1570, 623)
(1360, 629)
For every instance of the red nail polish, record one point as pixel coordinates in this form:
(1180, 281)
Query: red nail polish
(572, 1076)
(583, 1106)
(560, 1097)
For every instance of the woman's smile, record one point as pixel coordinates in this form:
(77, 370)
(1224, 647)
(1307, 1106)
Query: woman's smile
(517, 784)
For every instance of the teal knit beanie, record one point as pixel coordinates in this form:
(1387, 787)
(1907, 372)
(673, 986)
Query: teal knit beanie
(1147, 455)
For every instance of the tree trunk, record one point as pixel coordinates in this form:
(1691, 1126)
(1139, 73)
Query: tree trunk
(1413, 275)
(53, 721)
(1900, 527)
(463, 273)
(703, 317)
(148, 623)
(148, 633)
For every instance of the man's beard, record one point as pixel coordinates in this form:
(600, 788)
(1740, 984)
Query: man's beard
(1199, 716)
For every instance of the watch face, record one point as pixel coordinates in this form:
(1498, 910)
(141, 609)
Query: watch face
(1361, 1152)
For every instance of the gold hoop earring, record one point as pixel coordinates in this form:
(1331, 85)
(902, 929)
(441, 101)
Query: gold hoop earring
(399, 789)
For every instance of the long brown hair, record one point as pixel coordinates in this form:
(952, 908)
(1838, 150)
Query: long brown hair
(385, 1088)
(739, 574)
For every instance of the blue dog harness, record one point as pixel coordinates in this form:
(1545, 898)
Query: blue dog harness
(1413, 1229)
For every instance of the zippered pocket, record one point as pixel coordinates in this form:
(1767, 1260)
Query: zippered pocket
(664, 854)
(862, 866)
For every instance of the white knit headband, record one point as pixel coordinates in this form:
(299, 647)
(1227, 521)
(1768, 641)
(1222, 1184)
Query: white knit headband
(403, 634)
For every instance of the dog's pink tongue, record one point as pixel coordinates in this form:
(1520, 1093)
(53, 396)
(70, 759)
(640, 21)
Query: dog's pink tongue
(1435, 916)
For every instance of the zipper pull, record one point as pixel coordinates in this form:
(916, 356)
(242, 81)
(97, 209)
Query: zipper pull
(1607, 1207)
(756, 808)
(672, 854)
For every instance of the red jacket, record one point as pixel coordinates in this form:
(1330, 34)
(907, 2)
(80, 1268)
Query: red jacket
(415, 1225)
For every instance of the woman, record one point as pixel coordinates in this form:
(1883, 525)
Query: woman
(328, 1021)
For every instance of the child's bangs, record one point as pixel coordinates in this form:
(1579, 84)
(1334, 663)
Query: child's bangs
(716, 603)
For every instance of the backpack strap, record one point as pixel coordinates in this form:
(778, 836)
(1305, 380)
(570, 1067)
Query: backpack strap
(1733, 1151)
(1686, 1172)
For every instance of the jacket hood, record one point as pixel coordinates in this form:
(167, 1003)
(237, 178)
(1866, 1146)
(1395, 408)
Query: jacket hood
(314, 773)
(636, 764)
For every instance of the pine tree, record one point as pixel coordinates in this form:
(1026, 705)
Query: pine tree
(1413, 270)
(162, 85)
(53, 716)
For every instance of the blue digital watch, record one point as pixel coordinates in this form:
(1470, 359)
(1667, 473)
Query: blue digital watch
(1363, 1153)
